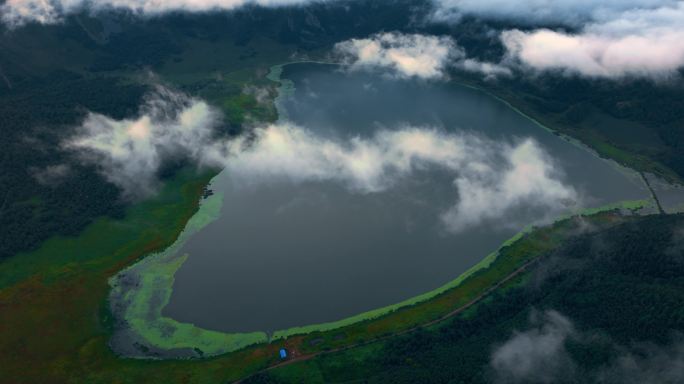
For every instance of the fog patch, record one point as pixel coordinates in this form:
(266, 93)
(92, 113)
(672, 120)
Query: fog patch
(537, 355)
(262, 95)
(648, 364)
(489, 70)
(51, 175)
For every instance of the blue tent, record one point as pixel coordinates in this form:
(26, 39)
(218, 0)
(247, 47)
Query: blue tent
(283, 353)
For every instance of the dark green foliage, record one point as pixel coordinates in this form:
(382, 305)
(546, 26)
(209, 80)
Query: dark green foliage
(36, 118)
(641, 116)
(136, 46)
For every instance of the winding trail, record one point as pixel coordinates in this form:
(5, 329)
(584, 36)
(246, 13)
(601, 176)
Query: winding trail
(447, 316)
(653, 193)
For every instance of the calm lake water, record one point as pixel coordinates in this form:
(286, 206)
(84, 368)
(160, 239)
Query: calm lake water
(284, 254)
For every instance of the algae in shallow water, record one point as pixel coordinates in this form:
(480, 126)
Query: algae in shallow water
(140, 292)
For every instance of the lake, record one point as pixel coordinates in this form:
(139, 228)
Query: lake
(291, 253)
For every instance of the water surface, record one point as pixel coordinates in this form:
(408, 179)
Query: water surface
(284, 254)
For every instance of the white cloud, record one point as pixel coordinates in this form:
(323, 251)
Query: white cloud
(490, 178)
(533, 12)
(635, 43)
(129, 152)
(489, 70)
(612, 39)
(421, 56)
(413, 56)
(529, 177)
(365, 165)
(19, 12)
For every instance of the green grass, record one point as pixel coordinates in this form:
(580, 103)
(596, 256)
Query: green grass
(219, 71)
(55, 323)
(63, 257)
(336, 365)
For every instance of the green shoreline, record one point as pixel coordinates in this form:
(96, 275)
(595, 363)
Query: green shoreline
(632, 205)
(287, 88)
(142, 305)
(157, 273)
(622, 168)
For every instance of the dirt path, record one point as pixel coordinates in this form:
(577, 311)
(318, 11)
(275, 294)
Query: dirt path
(421, 326)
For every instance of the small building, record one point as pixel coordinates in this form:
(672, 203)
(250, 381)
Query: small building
(283, 353)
